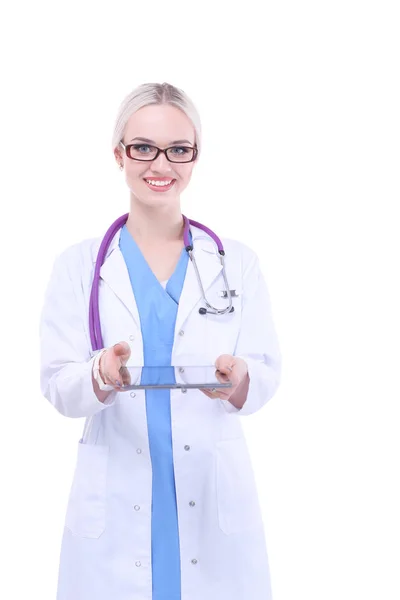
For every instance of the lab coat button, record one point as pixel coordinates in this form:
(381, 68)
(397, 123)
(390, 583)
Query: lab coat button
(138, 563)
(194, 561)
(133, 394)
(191, 503)
(184, 390)
(137, 507)
(132, 337)
(139, 451)
(181, 332)
(187, 447)
(181, 370)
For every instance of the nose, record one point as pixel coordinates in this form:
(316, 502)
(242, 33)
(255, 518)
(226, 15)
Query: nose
(161, 164)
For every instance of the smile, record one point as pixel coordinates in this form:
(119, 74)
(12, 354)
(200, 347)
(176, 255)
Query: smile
(160, 184)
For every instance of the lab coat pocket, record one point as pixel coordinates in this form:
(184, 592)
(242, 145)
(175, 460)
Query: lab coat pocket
(86, 511)
(238, 504)
(222, 331)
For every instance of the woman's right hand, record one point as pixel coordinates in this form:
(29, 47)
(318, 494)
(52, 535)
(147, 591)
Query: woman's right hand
(112, 365)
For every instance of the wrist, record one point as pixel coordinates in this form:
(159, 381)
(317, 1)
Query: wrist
(97, 374)
(100, 366)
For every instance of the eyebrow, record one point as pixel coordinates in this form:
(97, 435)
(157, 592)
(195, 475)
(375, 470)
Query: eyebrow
(153, 142)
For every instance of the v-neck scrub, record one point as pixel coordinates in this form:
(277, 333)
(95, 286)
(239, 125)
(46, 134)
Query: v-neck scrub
(158, 306)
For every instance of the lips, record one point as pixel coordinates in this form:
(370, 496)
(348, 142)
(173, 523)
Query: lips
(159, 184)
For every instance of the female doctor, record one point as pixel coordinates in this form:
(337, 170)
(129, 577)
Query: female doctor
(163, 504)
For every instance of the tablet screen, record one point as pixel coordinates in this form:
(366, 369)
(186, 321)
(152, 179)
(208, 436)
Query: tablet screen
(173, 378)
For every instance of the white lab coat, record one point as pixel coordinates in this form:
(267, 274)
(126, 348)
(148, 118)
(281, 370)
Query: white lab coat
(106, 546)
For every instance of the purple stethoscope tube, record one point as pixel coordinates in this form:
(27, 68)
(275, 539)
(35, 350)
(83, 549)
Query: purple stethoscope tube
(94, 316)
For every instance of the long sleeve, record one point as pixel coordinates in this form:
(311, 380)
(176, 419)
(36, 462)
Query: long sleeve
(257, 343)
(66, 357)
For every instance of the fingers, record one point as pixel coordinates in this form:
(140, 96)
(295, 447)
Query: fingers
(225, 363)
(125, 376)
(122, 350)
(109, 369)
(222, 377)
(235, 368)
(209, 393)
(112, 365)
(214, 393)
(116, 359)
(226, 371)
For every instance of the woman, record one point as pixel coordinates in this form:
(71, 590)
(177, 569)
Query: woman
(163, 503)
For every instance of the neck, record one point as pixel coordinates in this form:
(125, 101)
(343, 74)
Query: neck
(161, 224)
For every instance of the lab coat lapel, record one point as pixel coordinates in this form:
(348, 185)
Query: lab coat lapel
(115, 274)
(209, 266)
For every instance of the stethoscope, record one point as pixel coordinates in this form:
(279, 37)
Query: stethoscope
(94, 316)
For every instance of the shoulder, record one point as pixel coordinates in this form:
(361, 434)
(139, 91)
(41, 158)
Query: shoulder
(78, 257)
(236, 251)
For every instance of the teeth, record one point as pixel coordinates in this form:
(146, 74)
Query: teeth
(158, 183)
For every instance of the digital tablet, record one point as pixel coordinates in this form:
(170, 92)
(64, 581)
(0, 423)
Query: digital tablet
(143, 378)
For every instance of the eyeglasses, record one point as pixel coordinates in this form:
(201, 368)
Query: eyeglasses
(146, 152)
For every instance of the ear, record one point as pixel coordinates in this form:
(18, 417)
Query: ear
(118, 155)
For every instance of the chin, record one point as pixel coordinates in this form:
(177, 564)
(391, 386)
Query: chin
(156, 199)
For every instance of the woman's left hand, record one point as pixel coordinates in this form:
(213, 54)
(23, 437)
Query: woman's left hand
(229, 368)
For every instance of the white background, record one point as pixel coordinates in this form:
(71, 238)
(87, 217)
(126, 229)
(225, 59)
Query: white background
(308, 94)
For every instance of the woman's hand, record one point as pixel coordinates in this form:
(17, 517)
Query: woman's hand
(112, 365)
(231, 368)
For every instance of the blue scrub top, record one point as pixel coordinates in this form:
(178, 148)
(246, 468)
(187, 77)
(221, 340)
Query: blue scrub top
(158, 309)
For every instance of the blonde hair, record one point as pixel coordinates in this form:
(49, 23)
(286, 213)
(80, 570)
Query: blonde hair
(155, 93)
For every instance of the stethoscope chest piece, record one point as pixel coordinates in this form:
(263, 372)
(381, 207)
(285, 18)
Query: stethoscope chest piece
(204, 311)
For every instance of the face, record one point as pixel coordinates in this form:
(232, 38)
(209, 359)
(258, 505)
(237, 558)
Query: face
(162, 126)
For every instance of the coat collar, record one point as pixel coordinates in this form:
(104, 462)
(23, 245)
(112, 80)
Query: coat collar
(114, 273)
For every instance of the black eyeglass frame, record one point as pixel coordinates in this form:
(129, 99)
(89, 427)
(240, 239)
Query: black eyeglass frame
(128, 147)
